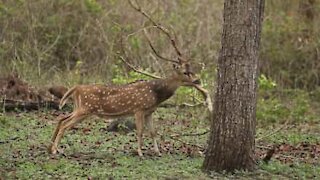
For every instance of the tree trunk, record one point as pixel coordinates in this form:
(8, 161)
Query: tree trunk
(231, 141)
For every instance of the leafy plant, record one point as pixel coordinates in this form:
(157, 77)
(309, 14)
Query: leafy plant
(93, 6)
(266, 83)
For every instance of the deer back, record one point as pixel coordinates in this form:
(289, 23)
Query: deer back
(124, 99)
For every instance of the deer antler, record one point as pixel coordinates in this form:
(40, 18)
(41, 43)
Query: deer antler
(123, 51)
(154, 50)
(161, 28)
(181, 59)
(138, 70)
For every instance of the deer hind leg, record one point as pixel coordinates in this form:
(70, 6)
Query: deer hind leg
(63, 126)
(153, 133)
(139, 119)
(53, 146)
(59, 125)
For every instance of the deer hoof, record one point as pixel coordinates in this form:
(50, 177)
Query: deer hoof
(140, 153)
(52, 149)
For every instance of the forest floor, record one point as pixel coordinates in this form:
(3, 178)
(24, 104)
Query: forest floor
(90, 152)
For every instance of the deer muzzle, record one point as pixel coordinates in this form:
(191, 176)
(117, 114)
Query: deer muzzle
(197, 81)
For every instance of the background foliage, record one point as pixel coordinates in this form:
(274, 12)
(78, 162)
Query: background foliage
(43, 39)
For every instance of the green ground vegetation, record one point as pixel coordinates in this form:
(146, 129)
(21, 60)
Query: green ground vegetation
(288, 121)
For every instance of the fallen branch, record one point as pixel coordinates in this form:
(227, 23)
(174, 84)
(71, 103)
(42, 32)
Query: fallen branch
(183, 142)
(272, 133)
(13, 105)
(190, 134)
(274, 150)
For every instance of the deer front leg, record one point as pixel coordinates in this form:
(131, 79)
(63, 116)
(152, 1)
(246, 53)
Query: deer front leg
(139, 119)
(153, 133)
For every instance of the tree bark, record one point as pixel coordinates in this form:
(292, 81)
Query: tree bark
(231, 142)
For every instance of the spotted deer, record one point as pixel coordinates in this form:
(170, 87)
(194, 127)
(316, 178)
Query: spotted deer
(139, 99)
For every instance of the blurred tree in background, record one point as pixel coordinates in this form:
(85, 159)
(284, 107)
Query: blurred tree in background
(290, 43)
(64, 39)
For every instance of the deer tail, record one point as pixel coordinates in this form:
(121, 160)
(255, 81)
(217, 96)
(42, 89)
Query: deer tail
(66, 97)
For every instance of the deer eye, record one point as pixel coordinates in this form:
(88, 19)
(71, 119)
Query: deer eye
(186, 73)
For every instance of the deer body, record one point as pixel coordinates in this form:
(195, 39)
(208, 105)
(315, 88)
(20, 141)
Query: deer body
(114, 101)
(138, 99)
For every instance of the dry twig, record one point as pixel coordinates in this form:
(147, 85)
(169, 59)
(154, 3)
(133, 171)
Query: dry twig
(183, 142)
(272, 133)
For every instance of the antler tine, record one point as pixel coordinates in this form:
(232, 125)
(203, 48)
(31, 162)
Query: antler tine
(154, 50)
(138, 70)
(135, 69)
(163, 29)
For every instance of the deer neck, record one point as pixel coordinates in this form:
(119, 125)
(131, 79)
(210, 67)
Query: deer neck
(165, 88)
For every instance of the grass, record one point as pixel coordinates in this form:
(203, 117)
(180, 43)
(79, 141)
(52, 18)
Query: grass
(91, 152)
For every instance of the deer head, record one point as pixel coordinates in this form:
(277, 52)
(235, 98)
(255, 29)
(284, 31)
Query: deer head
(184, 75)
